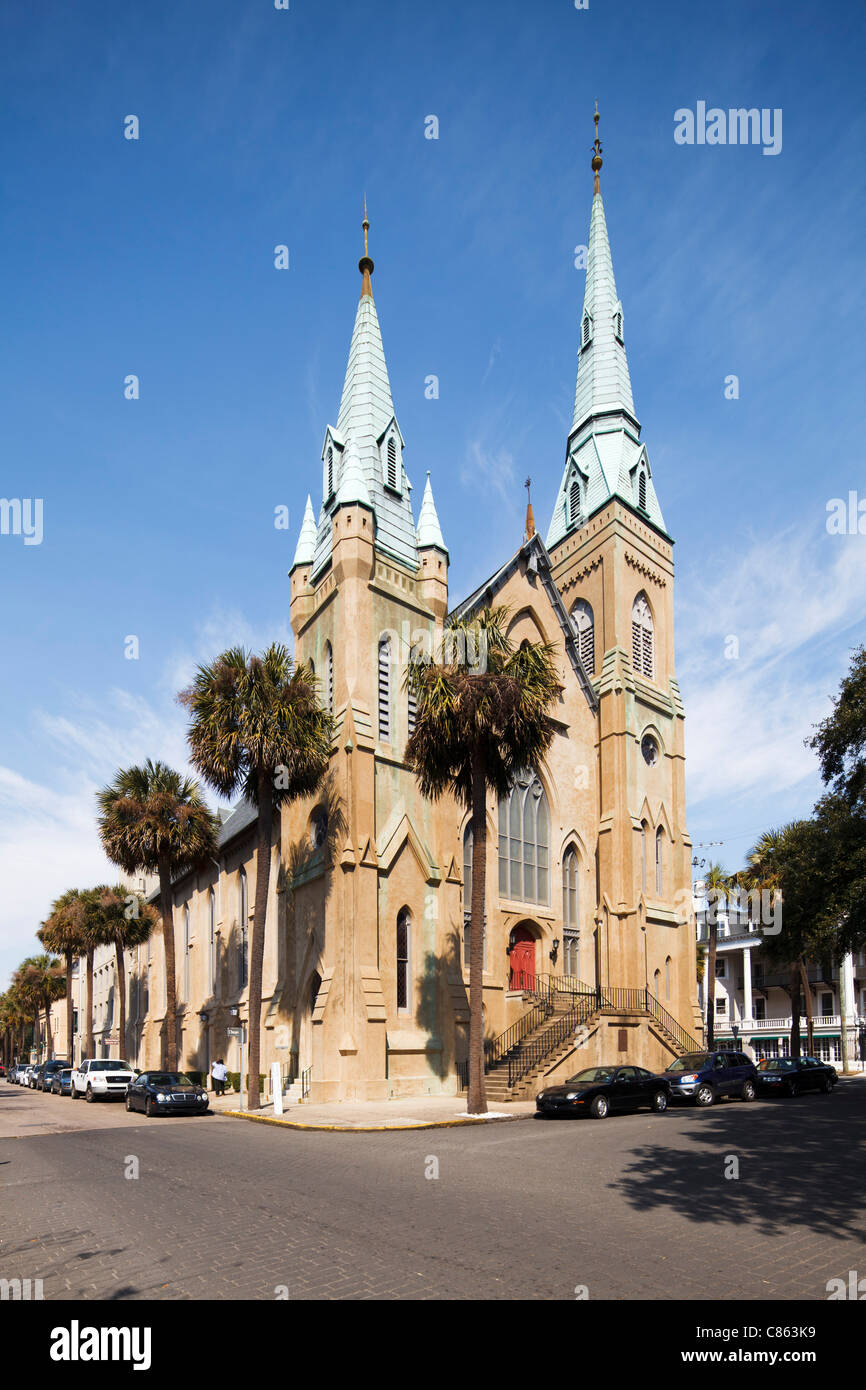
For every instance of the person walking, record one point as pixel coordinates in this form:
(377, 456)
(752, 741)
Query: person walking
(219, 1072)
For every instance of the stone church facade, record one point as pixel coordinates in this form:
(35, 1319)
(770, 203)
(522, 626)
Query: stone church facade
(366, 964)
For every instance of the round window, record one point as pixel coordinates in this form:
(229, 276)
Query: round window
(650, 750)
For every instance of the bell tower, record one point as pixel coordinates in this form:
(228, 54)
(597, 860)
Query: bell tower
(612, 562)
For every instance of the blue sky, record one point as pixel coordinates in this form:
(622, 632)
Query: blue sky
(261, 127)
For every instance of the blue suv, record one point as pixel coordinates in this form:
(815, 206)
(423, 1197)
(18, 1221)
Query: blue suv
(703, 1076)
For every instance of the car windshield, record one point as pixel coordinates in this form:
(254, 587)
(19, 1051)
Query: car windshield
(592, 1074)
(66, 1071)
(110, 1066)
(693, 1061)
(776, 1064)
(171, 1078)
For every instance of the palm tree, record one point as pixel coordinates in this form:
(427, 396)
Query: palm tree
(154, 820)
(63, 933)
(258, 728)
(717, 883)
(44, 980)
(476, 727)
(126, 921)
(764, 873)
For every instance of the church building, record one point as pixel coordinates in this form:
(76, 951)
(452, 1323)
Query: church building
(589, 885)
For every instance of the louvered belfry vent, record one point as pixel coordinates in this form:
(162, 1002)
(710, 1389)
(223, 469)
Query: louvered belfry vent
(385, 690)
(584, 624)
(642, 638)
(391, 478)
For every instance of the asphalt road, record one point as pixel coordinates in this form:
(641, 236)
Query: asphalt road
(633, 1207)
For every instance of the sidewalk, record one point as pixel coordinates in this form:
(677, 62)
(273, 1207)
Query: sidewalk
(422, 1112)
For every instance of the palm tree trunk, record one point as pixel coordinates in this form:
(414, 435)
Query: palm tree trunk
(69, 1010)
(169, 1044)
(476, 1101)
(257, 949)
(121, 997)
(795, 1009)
(88, 1013)
(49, 1036)
(711, 985)
(807, 995)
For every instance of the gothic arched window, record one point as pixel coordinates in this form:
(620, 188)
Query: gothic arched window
(524, 841)
(574, 502)
(243, 928)
(570, 913)
(385, 690)
(329, 678)
(643, 854)
(391, 476)
(642, 637)
(660, 835)
(404, 924)
(211, 935)
(668, 978)
(584, 623)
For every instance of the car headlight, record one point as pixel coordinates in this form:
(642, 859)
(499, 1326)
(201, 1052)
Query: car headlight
(161, 1098)
(692, 1076)
(573, 1095)
(540, 1096)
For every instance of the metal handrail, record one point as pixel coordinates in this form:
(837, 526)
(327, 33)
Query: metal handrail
(644, 1001)
(526, 1056)
(306, 1076)
(496, 1049)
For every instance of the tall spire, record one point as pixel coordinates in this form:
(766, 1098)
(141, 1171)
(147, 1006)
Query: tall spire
(306, 546)
(605, 455)
(363, 453)
(429, 531)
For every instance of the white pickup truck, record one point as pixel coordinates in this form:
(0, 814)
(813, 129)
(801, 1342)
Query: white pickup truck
(97, 1078)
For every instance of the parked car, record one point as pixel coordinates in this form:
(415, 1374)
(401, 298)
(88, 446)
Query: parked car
(61, 1081)
(98, 1078)
(702, 1077)
(20, 1072)
(30, 1075)
(2, 1071)
(788, 1076)
(597, 1091)
(47, 1070)
(166, 1092)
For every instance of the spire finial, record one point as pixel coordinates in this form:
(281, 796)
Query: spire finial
(529, 531)
(596, 155)
(365, 265)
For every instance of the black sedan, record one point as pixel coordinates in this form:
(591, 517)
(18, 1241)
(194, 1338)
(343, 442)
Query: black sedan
(599, 1090)
(166, 1093)
(789, 1076)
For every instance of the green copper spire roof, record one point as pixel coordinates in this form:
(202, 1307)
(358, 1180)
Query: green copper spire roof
(367, 439)
(306, 547)
(429, 531)
(604, 457)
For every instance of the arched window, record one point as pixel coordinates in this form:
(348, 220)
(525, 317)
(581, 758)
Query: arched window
(641, 490)
(642, 637)
(570, 914)
(391, 475)
(385, 690)
(211, 936)
(574, 502)
(329, 678)
(668, 978)
(411, 698)
(643, 854)
(243, 914)
(404, 923)
(657, 983)
(584, 624)
(660, 835)
(524, 841)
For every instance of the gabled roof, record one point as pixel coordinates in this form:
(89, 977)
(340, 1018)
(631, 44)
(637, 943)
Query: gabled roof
(537, 558)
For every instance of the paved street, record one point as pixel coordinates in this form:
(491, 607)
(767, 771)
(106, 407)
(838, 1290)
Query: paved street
(632, 1207)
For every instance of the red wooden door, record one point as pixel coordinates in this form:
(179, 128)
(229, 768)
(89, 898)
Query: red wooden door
(523, 965)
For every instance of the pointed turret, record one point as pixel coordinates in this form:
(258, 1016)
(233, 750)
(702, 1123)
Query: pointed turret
(429, 532)
(305, 549)
(605, 456)
(367, 433)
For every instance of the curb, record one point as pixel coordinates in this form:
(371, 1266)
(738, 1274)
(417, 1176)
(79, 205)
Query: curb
(369, 1129)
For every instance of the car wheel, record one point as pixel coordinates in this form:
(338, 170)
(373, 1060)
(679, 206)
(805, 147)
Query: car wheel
(129, 1105)
(748, 1090)
(659, 1102)
(793, 1089)
(148, 1108)
(88, 1096)
(74, 1093)
(705, 1095)
(599, 1108)
(826, 1086)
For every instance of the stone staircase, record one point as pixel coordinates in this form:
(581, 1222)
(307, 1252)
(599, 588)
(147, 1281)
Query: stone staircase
(548, 1043)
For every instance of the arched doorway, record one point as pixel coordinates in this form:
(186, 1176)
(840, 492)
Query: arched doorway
(522, 958)
(305, 1049)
